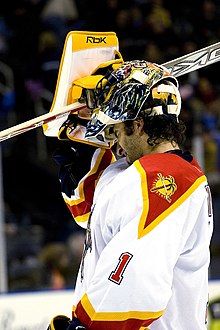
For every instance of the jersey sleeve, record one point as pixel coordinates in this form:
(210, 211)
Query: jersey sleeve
(80, 169)
(133, 279)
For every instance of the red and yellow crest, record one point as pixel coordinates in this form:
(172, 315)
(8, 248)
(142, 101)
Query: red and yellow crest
(164, 186)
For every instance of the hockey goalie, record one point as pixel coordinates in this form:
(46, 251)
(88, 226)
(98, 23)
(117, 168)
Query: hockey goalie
(144, 201)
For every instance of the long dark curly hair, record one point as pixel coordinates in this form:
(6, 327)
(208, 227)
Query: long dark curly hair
(160, 128)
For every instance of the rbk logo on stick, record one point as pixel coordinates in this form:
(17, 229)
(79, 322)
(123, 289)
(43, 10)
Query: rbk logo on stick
(95, 40)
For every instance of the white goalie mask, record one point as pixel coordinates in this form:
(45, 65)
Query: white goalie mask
(137, 86)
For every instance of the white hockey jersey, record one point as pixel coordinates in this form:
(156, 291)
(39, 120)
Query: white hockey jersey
(146, 257)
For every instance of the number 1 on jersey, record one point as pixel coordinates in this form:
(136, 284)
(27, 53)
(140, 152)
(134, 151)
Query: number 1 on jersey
(117, 275)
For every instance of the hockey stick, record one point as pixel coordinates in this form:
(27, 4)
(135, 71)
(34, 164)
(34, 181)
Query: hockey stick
(178, 67)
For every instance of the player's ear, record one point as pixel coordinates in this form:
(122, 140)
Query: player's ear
(140, 124)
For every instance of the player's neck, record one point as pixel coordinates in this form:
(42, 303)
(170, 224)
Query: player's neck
(164, 147)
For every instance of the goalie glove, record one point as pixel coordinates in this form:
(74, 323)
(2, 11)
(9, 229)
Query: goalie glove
(62, 322)
(59, 322)
(74, 160)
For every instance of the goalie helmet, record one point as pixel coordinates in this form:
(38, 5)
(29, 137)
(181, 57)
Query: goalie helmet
(136, 87)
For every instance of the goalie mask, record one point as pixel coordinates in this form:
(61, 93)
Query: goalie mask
(136, 87)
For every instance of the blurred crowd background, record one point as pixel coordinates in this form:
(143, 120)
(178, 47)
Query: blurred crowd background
(43, 243)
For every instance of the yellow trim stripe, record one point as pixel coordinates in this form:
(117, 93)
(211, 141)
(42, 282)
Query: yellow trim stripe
(143, 231)
(82, 218)
(145, 198)
(116, 316)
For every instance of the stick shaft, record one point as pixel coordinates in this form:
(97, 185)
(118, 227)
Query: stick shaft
(39, 121)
